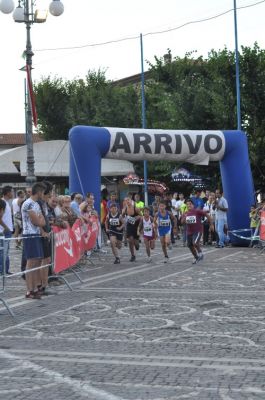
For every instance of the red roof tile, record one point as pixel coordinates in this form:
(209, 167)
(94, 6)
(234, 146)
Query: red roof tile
(18, 139)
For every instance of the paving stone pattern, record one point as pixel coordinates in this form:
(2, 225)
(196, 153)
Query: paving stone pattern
(139, 331)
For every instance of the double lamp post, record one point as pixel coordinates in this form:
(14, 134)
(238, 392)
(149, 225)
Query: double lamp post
(27, 12)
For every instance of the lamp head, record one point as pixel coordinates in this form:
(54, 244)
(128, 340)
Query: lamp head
(56, 8)
(7, 6)
(19, 14)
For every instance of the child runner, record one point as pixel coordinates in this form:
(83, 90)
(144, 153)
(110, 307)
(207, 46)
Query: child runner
(114, 228)
(163, 222)
(132, 222)
(147, 227)
(194, 225)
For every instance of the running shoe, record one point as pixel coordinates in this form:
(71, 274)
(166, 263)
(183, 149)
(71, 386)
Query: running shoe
(132, 258)
(117, 261)
(200, 256)
(166, 260)
(149, 259)
(196, 261)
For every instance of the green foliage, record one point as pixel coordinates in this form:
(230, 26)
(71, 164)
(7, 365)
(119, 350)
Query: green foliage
(90, 101)
(183, 93)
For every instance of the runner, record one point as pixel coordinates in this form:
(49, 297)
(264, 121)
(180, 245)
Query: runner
(132, 222)
(163, 222)
(114, 228)
(193, 220)
(146, 227)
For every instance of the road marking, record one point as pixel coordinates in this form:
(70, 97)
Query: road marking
(176, 273)
(229, 255)
(213, 364)
(136, 356)
(97, 279)
(77, 386)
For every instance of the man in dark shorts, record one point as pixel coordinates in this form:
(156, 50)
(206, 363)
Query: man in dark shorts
(33, 221)
(193, 220)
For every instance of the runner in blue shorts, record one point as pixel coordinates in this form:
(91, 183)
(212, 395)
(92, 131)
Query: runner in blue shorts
(163, 222)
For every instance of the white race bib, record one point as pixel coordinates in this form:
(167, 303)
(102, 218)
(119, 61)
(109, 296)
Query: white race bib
(131, 220)
(114, 221)
(191, 219)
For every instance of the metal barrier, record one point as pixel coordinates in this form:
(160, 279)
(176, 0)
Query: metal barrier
(5, 277)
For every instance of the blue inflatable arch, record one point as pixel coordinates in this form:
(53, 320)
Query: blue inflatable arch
(89, 144)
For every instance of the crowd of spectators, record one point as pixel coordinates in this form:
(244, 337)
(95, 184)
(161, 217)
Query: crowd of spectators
(28, 218)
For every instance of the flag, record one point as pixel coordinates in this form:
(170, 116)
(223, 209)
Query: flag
(31, 96)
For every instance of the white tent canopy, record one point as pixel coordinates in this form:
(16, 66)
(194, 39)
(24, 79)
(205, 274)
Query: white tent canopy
(52, 159)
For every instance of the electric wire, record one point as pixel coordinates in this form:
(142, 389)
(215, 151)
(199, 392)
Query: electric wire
(150, 33)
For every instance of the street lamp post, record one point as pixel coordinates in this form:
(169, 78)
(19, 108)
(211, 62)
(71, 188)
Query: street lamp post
(27, 13)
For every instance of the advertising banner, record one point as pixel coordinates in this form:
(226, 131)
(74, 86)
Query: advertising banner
(71, 243)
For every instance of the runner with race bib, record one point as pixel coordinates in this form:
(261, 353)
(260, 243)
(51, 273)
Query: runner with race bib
(146, 227)
(193, 220)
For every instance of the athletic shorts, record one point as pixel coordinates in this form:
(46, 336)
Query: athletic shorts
(163, 232)
(32, 246)
(149, 237)
(117, 235)
(194, 238)
(131, 231)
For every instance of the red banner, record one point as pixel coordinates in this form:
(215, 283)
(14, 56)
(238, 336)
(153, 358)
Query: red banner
(262, 226)
(71, 243)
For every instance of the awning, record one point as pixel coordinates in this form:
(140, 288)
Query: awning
(52, 159)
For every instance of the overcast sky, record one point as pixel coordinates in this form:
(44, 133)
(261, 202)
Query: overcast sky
(86, 22)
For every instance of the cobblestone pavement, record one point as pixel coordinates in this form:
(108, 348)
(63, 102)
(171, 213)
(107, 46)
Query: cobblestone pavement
(139, 331)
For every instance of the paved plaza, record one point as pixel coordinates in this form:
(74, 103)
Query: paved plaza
(139, 331)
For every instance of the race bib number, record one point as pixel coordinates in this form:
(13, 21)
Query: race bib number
(114, 221)
(191, 219)
(148, 229)
(164, 222)
(131, 220)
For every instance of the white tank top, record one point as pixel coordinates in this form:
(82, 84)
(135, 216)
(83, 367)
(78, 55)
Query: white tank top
(148, 227)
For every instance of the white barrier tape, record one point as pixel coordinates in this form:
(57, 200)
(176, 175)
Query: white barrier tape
(21, 237)
(27, 271)
(250, 238)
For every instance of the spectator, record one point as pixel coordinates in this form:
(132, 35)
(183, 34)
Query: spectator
(197, 200)
(139, 204)
(88, 204)
(112, 200)
(209, 207)
(6, 224)
(58, 208)
(46, 239)
(67, 214)
(221, 207)
(17, 218)
(75, 203)
(2, 210)
(33, 221)
(51, 206)
(28, 192)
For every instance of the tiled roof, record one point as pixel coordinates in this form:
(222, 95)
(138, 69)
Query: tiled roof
(17, 139)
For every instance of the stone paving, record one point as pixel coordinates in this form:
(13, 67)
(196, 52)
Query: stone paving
(139, 331)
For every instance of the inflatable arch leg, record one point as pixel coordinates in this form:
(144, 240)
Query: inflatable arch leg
(237, 179)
